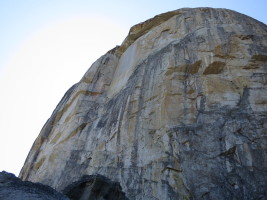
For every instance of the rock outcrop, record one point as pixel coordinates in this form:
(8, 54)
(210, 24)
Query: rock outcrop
(178, 111)
(12, 188)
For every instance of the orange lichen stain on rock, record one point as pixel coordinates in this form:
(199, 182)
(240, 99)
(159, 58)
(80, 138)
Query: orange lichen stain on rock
(187, 69)
(214, 68)
(260, 57)
(55, 139)
(39, 163)
(74, 132)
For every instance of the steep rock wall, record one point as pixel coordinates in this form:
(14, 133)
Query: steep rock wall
(178, 111)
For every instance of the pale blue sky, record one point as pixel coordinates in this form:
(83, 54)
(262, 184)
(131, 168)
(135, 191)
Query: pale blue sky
(18, 18)
(47, 45)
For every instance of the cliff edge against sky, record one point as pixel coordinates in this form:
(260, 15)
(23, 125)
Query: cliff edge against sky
(178, 111)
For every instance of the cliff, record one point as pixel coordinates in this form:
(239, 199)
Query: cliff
(178, 111)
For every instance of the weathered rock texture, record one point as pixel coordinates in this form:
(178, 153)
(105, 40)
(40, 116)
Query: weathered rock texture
(95, 187)
(178, 111)
(12, 188)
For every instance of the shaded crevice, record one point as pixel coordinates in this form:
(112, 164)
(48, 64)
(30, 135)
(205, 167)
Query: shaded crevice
(94, 187)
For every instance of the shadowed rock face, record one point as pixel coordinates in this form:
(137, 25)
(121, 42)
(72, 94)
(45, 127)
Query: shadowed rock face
(94, 187)
(12, 188)
(178, 111)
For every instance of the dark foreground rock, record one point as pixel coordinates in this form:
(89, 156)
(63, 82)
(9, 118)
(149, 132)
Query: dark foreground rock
(12, 188)
(94, 187)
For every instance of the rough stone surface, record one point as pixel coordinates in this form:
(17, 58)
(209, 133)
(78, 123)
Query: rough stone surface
(12, 188)
(178, 111)
(94, 187)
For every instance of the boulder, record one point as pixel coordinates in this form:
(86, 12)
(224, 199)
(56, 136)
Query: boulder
(12, 188)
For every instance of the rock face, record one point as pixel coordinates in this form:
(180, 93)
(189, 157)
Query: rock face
(94, 187)
(178, 111)
(12, 188)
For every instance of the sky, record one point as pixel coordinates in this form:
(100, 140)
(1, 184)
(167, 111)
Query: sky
(47, 45)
